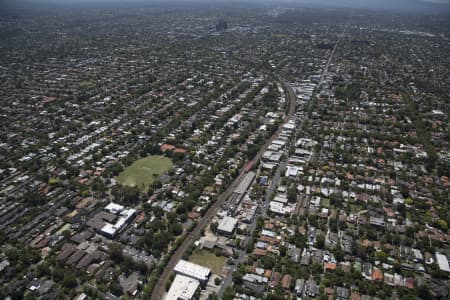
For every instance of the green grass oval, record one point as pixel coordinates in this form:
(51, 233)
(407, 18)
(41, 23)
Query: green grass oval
(143, 172)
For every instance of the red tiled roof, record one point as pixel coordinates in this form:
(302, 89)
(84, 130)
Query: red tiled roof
(409, 283)
(377, 274)
(330, 266)
(165, 147)
(276, 278)
(193, 215)
(355, 296)
(268, 239)
(260, 252)
(180, 150)
(286, 281)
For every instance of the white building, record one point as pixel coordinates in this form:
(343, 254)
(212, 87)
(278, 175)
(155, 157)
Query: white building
(124, 214)
(253, 278)
(292, 171)
(182, 288)
(442, 262)
(280, 208)
(192, 270)
(227, 225)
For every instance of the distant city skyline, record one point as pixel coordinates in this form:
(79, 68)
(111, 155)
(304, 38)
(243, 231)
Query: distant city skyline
(435, 6)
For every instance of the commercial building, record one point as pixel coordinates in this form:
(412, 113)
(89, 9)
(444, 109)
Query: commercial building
(227, 225)
(183, 288)
(239, 192)
(192, 270)
(245, 183)
(112, 219)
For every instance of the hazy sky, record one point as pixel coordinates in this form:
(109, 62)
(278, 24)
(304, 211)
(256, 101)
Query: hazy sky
(442, 6)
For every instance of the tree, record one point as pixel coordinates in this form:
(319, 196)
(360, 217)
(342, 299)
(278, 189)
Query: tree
(189, 204)
(442, 224)
(176, 229)
(237, 277)
(213, 296)
(423, 292)
(66, 233)
(115, 289)
(43, 269)
(228, 294)
(30, 295)
(158, 211)
(168, 284)
(131, 194)
(143, 268)
(217, 281)
(116, 169)
(116, 252)
(127, 264)
(58, 274)
(70, 280)
(268, 262)
(3, 237)
(278, 293)
(33, 199)
(292, 195)
(213, 226)
(320, 241)
(382, 256)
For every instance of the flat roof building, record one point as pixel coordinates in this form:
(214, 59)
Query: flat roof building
(182, 288)
(442, 262)
(192, 270)
(114, 208)
(241, 189)
(112, 220)
(227, 225)
(245, 182)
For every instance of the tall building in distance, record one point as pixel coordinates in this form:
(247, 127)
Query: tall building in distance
(222, 25)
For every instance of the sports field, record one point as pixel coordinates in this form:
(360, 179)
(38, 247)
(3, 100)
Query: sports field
(144, 171)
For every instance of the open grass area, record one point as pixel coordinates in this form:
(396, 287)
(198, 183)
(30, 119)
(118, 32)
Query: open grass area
(62, 229)
(208, 259)
(144, 171)
(325, 202)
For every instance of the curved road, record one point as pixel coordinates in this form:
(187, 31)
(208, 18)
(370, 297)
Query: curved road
(159, 287)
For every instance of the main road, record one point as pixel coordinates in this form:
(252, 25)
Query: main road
(159, 287)
(330, 58)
